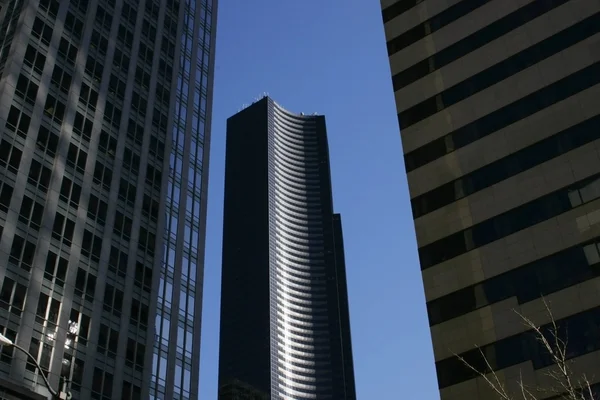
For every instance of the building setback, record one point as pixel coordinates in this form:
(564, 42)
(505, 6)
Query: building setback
(498, 104)
(285, 330)
(105, 128)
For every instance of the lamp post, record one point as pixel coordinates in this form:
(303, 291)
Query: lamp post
(55, 395)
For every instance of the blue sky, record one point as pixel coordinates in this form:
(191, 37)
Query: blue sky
(329, 57)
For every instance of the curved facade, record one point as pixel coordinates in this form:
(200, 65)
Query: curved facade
(308, 351)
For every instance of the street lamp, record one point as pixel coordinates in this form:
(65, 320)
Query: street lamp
(55, 395)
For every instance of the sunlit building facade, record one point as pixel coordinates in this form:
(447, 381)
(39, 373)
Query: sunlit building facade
(105, 129)
(498, 104)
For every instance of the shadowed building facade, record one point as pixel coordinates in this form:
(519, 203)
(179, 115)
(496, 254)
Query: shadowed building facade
(104, 135)
(498, 104)
(285, 330)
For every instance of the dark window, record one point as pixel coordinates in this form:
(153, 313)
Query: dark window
(6, 192)
(122, 225)
(67, 51)
(125, 36)
(12, 296)
(117, 87)
(112, 114)
(146, 241)
(135, 132)
(131, 161)
(50, 6)
(47, 141)
(103, 18)
(10, 156)
(108, 144)
(153, 177)
(85, 284)
(82, 126)
(121, 61)
(56, 269)
(31, 213)
(91, 245)
(39, 175)
(150, 208)
(512, 221)
(76, 158)
(88, 96)
(41, 351)
(61, 79)
(127, 192)
(48, 309)
(138, 104)
(7, 352)
(18, 121)
(107, 341)
(34, 59)
(21, 253)
(102, 383)
(94, 69)
(143, 277)
(41, 31)
(54, 109)
(70, 192)
(509, 114)
(63, 229)
(26, 89)
(97, 209)
(84, 325)
(117, 262)
(102, 175)
(73, 25)
(129, 13)
(113, 300)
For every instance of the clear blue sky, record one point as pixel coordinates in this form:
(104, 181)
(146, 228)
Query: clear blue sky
(328, 56)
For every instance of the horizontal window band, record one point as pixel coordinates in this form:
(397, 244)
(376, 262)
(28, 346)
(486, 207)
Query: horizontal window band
(433, 24)
(474, 41)
(503, 117)
(538, 153)
(500, 71)
(398, 8)
(512, 221)
(527, 282)
(579, 331)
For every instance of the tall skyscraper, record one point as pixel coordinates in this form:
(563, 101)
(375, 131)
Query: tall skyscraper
(285, 329)
(498, 103)
(105, 128)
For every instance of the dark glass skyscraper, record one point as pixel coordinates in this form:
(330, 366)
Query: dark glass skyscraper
(285, 330)
(104, 135)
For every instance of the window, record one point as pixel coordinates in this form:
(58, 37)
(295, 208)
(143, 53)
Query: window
(99, 42)
(159, 120)
(91, 245)
(153, 177)
(148, 31)
(54, 109)
(117, 262)
(12, 296)
(142, 78)
(82, 126)
(26, 89)
(84, 325)
(81, 5)
(31, 213)
(150, 208)
(113, 300)
(70, 192)
(129, 13)
(50, 6)
(18, 121)
(131, 161)
(21, 253)
(145, 54)
(48, 309)
(121, 61)
(131, 392)
(76, 158)
(138, 104)
(134, 354)
(146, 241)
(125, 37)
(163, 94)
(127, 192)
(168, 49)
(103, 18)
(34, 59)
(47, 141)
(6, 192)
(108, 340)
(102, 175)
(39, 175)
(42, 352)
(135, 132)
(73, 25)
(117, 87)
(61, 79)
(10, 156)
(63, 229)
(56, 269)
(88, 97)
(102, 384)
(97, 209)
(122, 226)
(67, 51)
(112, 114)
(85, 284)
(108, 144)
(143, 277)
(7, 352)
(41, 31)
(94, 69)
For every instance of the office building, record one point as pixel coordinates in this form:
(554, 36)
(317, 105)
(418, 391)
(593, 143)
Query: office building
(498, 104)
(285, 329)
(104, 127)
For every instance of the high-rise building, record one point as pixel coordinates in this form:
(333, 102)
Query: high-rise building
(285, 329)
(498, 104)
(105, 127)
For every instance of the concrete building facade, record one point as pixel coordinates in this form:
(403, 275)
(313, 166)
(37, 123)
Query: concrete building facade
(105, 130)
(498, 105)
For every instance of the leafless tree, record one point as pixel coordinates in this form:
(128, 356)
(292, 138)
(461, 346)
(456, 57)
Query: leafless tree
(566, 385)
